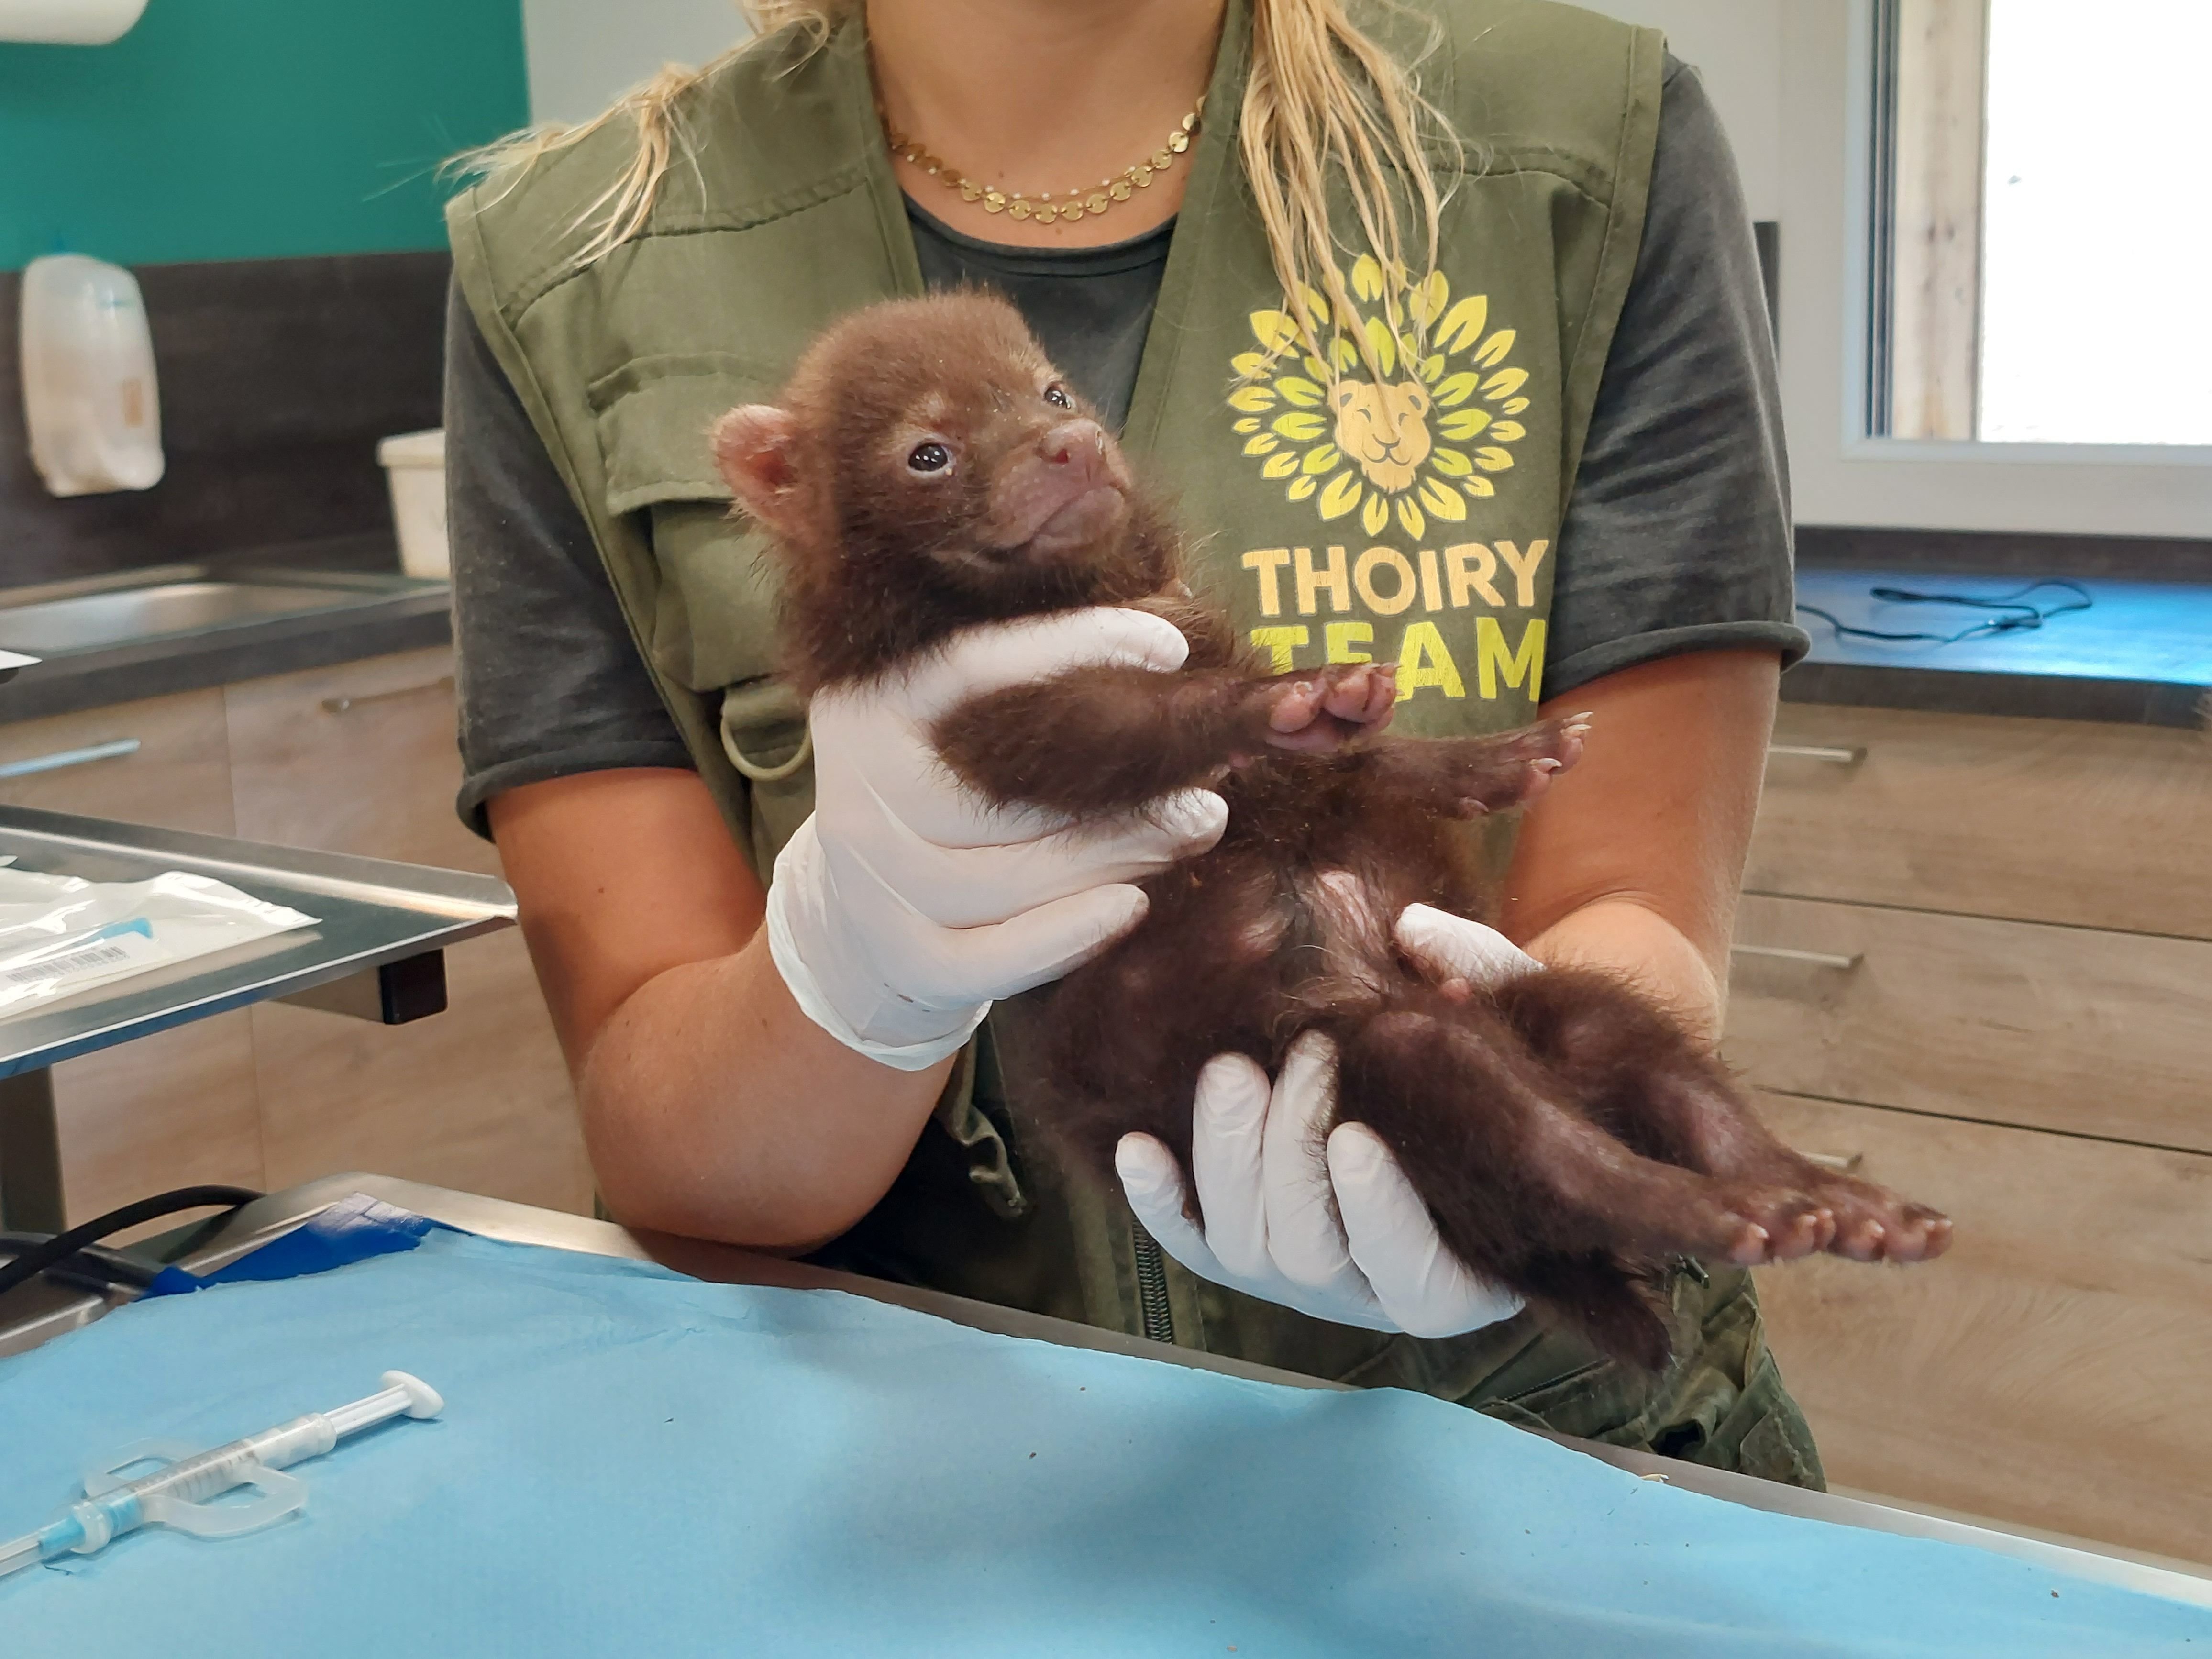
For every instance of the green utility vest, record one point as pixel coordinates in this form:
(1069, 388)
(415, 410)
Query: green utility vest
(1343, 515)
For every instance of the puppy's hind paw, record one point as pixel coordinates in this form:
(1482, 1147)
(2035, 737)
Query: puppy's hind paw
(1329, 707)
(1543, 751)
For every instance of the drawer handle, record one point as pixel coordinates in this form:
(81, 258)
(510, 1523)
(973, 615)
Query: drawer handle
(1841, 1163)
(61, 759)
(340, 705)
(1813, 751)
(1810, 958)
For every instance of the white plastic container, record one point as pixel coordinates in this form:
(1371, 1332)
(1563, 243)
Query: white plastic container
(68, 22)
(415, 463)
(89, 394)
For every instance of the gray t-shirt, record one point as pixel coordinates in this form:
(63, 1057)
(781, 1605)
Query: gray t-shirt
(1090, 307)
(1676, 536)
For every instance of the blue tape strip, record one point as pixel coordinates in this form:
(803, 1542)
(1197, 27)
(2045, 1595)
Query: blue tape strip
(353, 1231)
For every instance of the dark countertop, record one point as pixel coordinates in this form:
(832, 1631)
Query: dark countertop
(2141, 655)
(375, 612)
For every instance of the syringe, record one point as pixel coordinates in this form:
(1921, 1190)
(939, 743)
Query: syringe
(177, 1494)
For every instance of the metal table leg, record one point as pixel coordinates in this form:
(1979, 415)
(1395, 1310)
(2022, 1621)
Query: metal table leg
(391, 993)
(395, 993)
(30, 1154)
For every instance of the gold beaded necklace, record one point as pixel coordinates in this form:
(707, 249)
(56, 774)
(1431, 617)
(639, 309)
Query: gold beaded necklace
(1094, 201)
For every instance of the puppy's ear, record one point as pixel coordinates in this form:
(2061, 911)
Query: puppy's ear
(757, 447)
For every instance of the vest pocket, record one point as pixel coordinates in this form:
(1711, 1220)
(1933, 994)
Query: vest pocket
(715, 606)
(713, 630)
(713, 588)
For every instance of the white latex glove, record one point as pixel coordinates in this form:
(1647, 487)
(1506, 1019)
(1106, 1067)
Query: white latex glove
(1453, 947)
(1336, 1233)
(906, 904)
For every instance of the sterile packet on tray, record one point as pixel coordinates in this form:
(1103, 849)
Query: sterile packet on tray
(61, 934)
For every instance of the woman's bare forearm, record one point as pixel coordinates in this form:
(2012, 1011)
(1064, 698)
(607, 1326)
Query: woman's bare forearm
(1632, 939)
(1633, 858)
(714, 1108)
(711, 1105)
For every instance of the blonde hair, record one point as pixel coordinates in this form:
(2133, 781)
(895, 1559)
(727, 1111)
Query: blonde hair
(1323, 101)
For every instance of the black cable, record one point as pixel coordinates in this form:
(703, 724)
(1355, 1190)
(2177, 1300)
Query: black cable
(93, 1267)
(61, 1246)
(2018, 615)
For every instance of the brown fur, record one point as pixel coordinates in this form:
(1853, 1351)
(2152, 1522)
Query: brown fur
(1568, 1138)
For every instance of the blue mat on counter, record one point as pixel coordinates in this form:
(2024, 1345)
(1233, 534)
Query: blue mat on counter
(634, 1463)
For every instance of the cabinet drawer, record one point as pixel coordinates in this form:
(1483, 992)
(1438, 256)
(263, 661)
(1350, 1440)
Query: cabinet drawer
(174, 1109)
(2093, 825)
(359, 758)
(2052, 1368)
(2061, 1028)
(162, 761)
(476, 1098)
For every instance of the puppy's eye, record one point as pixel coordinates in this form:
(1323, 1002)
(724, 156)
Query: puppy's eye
(929, 458)
(1057, 393)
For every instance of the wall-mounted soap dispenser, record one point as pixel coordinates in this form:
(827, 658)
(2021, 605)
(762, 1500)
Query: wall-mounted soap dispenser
(89, 398)
(68, 22)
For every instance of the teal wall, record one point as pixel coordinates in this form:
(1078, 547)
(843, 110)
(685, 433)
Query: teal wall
(253, 129)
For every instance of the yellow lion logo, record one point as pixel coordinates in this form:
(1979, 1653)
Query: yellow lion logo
(1384, 428)
(1389, 445)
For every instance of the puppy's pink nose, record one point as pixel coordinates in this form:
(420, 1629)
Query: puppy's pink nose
(1076, 452)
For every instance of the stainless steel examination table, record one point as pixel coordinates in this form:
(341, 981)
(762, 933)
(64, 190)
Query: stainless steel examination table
(375, 951)
(37, 1313)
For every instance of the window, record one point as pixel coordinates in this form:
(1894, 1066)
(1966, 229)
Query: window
(2042, 259)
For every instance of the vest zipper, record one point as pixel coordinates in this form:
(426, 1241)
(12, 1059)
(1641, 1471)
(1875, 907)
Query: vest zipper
(1152, 1307)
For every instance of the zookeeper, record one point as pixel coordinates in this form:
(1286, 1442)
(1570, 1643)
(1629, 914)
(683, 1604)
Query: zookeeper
(1442, 326)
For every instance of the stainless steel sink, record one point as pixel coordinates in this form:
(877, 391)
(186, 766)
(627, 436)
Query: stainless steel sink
(172, 601)
(94, 620)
